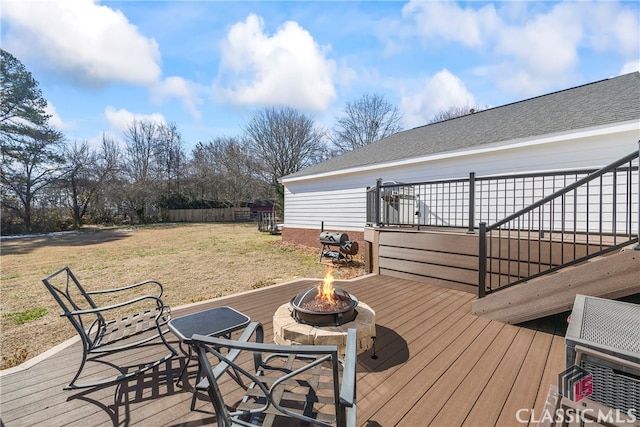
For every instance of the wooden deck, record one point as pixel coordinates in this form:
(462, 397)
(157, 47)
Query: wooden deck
(437, 365)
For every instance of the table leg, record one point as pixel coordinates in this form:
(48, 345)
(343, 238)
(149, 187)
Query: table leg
(186, 365)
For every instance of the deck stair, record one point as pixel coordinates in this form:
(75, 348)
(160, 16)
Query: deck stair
(526, 252)
(611, 276)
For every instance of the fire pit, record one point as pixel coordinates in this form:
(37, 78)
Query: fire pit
(322, 315)
(324, 305)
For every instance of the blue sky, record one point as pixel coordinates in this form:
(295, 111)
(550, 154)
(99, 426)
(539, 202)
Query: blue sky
(209, 65)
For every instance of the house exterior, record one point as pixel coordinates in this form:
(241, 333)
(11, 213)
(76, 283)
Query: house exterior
(587, 126)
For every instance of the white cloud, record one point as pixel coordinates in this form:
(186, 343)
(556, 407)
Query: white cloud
(55, 120)
(529, 47)
(530, 51)
(610, 26)
(448, 21)
(540, 52)
(93, 43)
(287, 68)
(177, 87)
(630, 67)
(546, 49)
(121, 119)
(434, 94)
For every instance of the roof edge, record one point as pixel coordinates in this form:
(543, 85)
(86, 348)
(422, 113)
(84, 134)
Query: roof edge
(504, 145)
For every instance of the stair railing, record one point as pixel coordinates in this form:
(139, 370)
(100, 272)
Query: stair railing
(590, 217)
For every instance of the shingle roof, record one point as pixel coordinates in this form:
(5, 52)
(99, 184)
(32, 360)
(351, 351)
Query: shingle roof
(603, 102)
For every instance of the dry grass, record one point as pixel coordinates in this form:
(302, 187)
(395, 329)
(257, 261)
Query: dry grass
(194, 262)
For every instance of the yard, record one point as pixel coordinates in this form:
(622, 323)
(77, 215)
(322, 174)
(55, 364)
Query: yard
(194, 262)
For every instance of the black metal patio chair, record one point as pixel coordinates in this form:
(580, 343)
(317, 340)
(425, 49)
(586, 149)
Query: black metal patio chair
(288, 384)
(114, 326)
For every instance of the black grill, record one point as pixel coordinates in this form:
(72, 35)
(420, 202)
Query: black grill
(337, 246)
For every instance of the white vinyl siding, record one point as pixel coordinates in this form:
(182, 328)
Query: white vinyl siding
(339, 199)
(337, 209)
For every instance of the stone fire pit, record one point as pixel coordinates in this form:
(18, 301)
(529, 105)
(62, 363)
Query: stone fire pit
(286, 330)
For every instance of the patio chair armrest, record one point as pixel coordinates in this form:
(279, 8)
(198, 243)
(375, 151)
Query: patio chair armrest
(253, 327)
(250, 330)
(128, 287)
(154, 298)
(223, 366)
(348, 386)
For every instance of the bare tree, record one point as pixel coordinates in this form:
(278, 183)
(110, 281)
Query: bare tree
(202, 173)
(155, 165)
(141, 139)
(81, 181)
(89, 172)
(226, 171)
(453, 112)
(233, 169)
(285, 141)
(169, 156)
(366, 120)
(111, 197)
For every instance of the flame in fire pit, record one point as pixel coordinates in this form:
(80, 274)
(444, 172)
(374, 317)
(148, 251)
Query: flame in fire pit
(324, 304)
(326, 292)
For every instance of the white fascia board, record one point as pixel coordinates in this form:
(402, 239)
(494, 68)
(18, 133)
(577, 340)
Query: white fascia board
(485, 148)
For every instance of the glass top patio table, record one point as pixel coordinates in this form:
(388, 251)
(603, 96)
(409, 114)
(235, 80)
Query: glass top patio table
(217, 322)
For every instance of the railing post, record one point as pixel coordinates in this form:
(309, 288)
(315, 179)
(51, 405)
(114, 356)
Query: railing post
(417, 211)
(482, 260)
(377, 203)
(472, 202)
(637, 248)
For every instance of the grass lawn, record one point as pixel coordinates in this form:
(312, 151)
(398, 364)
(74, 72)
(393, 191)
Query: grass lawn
(194, 262)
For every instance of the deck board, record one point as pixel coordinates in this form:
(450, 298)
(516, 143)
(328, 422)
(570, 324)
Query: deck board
(490, 402)
(457, 405)
(526, 385)
(421, 376)
(439, 394)
(437, 364)
(555, 363)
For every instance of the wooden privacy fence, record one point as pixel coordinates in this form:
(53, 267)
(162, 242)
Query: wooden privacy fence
(209, 215)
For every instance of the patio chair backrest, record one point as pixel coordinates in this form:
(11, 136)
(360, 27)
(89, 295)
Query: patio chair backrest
(309, 359)
(71, 296)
